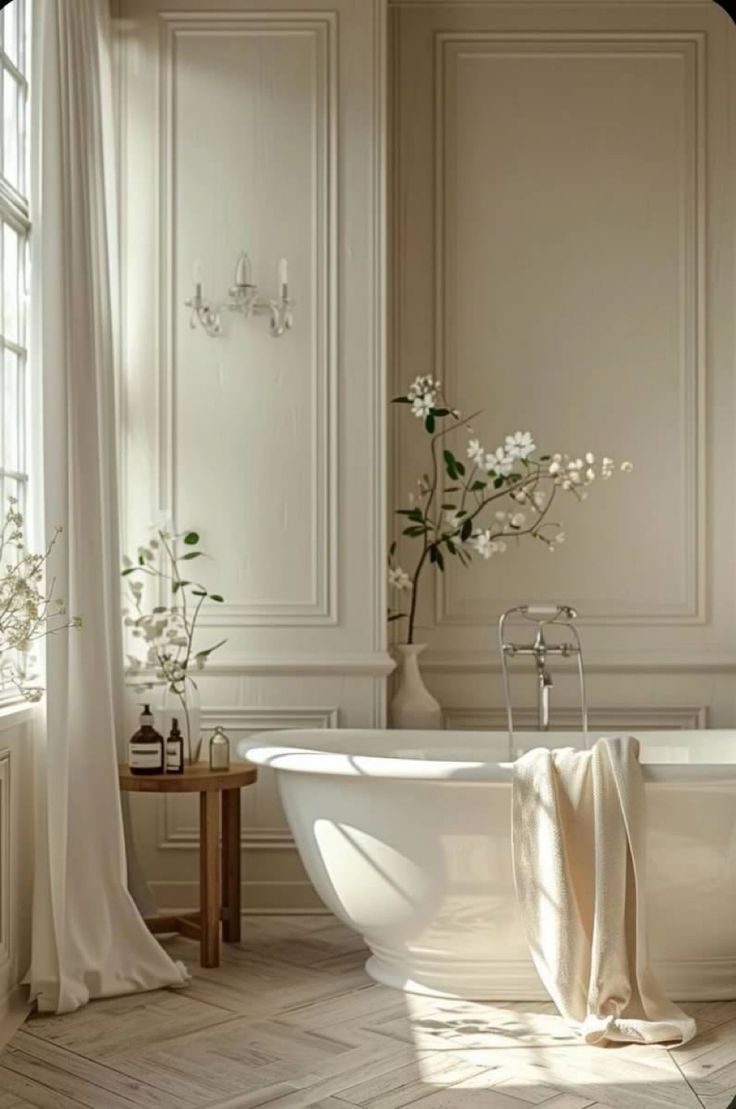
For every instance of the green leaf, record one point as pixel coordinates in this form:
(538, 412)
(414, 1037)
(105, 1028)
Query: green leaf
(177, 585)
(217, 597)
(467, 530)
(498, 483)
(451, 465)
(396, 616)
(414, 531)
(191, 538)
(392, 549)
(429, 424)
(401, 400)
(440, 411)
(130, 570)
(477, 486)
(435, 555)
(160, 608)
(191, 554)
(199, 592)
(208, 650)
(451, 546)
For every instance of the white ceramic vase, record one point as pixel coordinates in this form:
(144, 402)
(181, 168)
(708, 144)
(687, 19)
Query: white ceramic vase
(413, 706)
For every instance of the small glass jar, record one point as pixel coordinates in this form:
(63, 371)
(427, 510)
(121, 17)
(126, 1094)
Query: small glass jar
(219, 750)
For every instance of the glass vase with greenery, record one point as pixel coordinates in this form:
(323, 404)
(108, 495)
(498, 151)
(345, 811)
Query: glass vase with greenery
(167, 631)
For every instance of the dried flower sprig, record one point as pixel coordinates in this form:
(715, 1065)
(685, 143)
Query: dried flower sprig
(29, 609)
(470, 518)
(168, 631)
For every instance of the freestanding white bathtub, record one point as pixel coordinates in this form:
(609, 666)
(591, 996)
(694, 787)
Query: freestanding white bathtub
(406, 837)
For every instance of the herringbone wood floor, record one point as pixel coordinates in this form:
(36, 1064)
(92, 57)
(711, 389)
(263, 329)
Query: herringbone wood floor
(290, 1020)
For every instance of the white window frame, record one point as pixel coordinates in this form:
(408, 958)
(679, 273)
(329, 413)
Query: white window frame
(14, 214)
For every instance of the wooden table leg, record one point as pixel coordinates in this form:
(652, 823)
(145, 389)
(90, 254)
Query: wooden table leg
(231, 865)
(209, 877)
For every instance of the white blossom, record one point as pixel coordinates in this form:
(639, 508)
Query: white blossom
(453, 519)
(422, 405)
(399, 579)
(500, 461)
(422, 385)
(476, 453)
(520, 444)
(482, 543)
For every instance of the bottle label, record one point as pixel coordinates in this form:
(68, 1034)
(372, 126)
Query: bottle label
(145, 756)
(173, 757)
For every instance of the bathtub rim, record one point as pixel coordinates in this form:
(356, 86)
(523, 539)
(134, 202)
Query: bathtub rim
(282, 751)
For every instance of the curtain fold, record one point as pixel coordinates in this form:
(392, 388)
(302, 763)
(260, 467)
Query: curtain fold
(89, 939)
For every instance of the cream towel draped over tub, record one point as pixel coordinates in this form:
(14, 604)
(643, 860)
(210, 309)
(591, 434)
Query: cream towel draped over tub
(578, 831)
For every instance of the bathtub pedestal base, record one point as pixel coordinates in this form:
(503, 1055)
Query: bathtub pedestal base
(707, 980)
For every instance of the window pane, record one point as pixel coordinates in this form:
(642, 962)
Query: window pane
(12, 446)
(11, 487)
(11, 104)
(11, 259)
(11, 21)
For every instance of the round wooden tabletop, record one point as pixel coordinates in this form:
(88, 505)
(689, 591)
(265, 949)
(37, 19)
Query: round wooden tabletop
(195, 779)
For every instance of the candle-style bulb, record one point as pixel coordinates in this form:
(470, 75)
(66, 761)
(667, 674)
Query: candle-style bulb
(283, 277)
(197, 276)
(242, 270)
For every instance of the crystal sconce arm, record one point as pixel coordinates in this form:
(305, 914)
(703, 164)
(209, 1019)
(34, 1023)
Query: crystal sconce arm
(243, 297)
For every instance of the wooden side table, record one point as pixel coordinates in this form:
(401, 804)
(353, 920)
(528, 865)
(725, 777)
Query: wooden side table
(219, 883)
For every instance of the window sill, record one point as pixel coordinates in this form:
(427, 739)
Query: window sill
(13, 713)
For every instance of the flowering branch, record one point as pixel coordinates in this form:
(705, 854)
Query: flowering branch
(28, 610)
(509, 473)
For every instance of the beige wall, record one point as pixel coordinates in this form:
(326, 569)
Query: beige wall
(259, 128)
(562, 253)
(563, 232)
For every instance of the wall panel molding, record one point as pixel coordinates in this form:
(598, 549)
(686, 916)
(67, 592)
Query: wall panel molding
(600, 662)
(318, 30)
(452, 49)
(615, 718)
(177, 832)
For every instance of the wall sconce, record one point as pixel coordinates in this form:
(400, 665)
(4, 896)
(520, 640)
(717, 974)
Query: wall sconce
(243, 297)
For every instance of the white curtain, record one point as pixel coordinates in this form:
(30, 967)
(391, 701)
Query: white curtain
(89, 939)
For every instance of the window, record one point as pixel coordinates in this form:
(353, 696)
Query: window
(14, 229)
